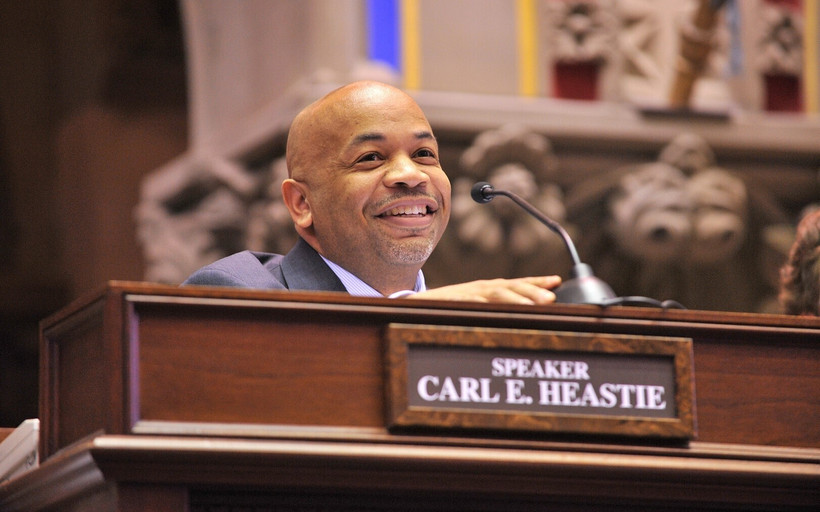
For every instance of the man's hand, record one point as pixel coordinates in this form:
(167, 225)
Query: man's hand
(523, 290)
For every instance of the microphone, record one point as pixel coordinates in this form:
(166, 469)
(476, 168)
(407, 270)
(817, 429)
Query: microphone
(582, 287)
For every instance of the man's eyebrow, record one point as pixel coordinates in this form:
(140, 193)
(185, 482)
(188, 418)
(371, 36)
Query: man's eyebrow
(367, 137)
(376, 136)
(425, 135)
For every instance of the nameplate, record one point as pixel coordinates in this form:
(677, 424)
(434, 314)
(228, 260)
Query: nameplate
(539, 381)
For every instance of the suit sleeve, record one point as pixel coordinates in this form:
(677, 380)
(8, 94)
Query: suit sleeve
(242, 270)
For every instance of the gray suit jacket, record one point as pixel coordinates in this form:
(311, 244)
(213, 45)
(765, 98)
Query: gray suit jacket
(300, 269)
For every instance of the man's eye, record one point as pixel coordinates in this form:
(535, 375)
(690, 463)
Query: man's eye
(425, 153)
(369, 157)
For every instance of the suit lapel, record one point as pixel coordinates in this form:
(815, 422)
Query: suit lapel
(304, 269)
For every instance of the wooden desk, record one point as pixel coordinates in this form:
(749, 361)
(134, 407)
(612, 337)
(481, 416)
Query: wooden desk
(195, 397)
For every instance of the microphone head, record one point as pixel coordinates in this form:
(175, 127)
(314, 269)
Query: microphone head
(482, 192)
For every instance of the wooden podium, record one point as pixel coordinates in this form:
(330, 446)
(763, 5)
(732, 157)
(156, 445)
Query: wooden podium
(158, 398)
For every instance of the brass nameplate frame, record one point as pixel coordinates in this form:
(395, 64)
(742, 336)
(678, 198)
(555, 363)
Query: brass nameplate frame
(539, 381)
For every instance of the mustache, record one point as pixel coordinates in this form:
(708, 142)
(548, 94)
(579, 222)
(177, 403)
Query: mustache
(409, 194)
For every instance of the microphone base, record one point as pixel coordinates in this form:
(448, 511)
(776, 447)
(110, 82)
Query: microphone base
(583, 288)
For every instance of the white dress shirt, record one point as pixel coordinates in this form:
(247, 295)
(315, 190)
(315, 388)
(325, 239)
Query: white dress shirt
(356, 286)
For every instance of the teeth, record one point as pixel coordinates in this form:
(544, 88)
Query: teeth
(408, 210)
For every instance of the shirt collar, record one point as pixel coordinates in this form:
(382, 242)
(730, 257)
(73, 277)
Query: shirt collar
(357, 287)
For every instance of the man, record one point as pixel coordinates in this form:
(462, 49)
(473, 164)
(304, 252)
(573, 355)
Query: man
(370, 201)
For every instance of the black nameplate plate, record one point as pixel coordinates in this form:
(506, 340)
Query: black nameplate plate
(540, 381)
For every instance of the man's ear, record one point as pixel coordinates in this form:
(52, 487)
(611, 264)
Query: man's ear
(294, 194)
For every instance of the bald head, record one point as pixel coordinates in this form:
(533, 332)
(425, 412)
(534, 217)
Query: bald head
(323, 125)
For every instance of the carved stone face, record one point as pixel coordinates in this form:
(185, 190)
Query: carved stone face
(650, 214)
(660, 215)
(719, 219)
(689, 153)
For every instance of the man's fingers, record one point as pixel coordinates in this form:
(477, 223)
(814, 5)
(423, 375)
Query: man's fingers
(527, 290)
(523, 290)
(512, 295)
(534, 293)
(544, 281)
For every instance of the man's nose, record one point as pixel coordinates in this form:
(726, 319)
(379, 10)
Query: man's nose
(404, 172)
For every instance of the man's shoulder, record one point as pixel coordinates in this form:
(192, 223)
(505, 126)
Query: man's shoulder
(246, 269)
(301, 269)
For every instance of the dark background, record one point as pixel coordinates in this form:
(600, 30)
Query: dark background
(92, 97)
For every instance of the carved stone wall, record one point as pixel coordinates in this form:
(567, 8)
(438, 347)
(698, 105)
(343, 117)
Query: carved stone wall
(692, 207)
(707, 225)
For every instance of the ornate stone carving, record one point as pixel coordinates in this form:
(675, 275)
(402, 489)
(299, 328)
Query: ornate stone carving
(583, 31)
(513, 243)
(679, 227)
(270, 227)
(780, 46)
(193, 214)
(638, 40)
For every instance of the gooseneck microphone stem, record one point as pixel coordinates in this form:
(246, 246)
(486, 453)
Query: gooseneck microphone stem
(486, 192)
(582, 287)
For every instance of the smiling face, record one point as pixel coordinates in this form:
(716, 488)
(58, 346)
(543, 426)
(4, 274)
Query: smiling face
(366, 188)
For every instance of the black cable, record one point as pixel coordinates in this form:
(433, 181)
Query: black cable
(635, 300)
